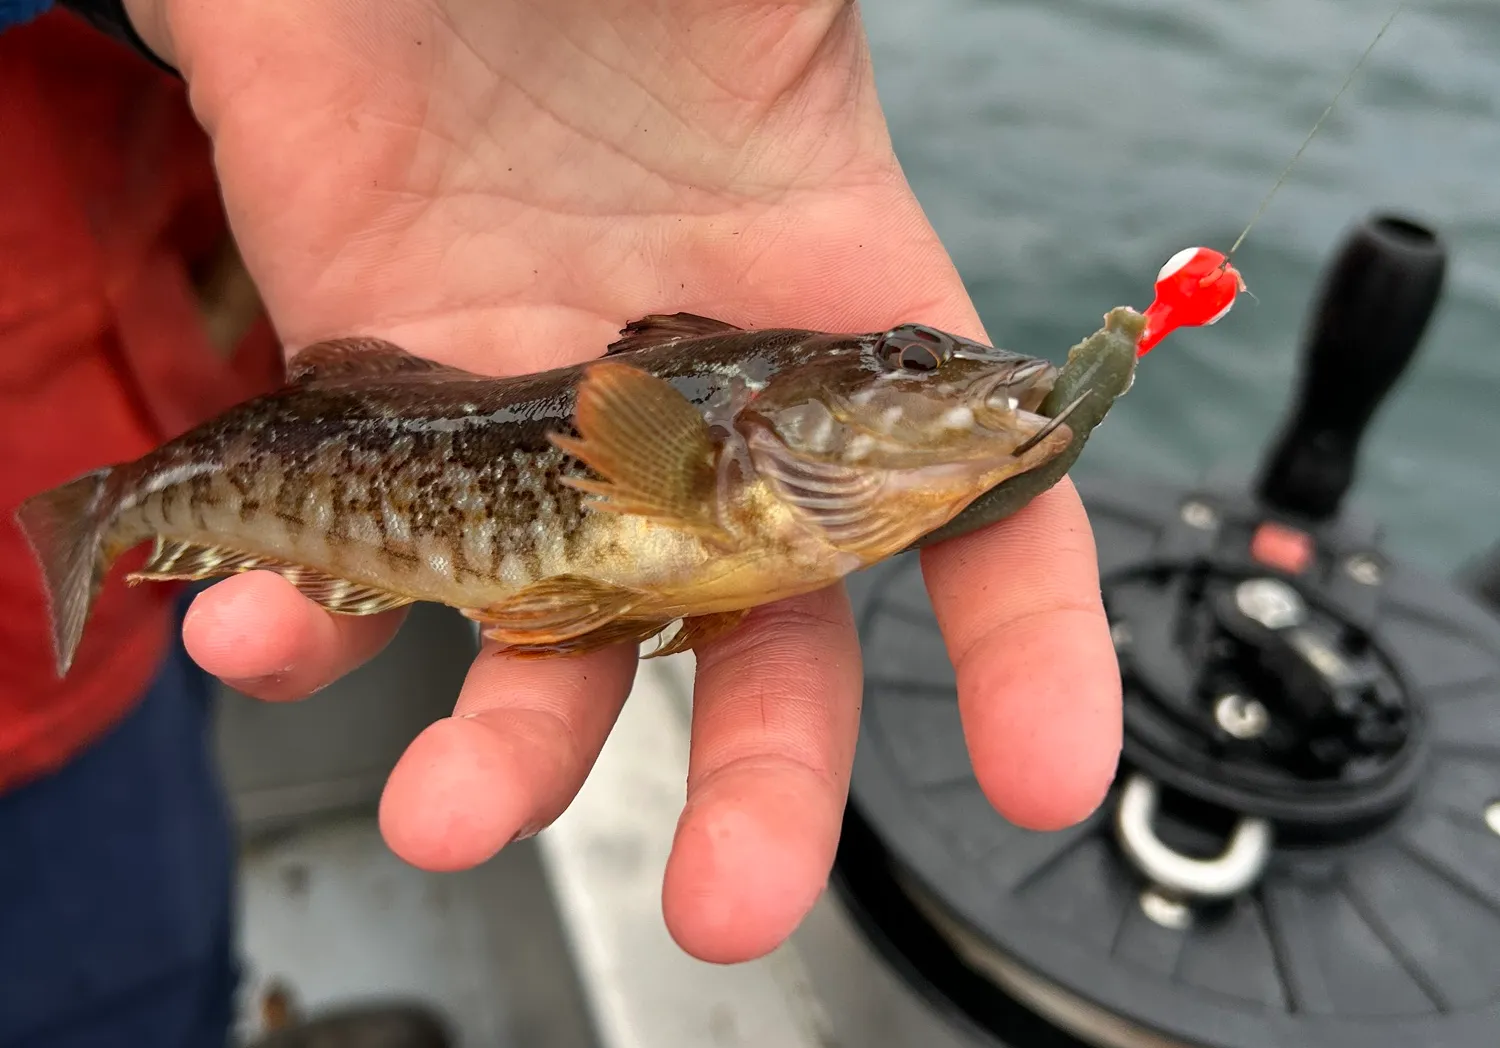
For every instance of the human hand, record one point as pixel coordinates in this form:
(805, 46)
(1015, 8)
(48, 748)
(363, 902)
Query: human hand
(501, 185)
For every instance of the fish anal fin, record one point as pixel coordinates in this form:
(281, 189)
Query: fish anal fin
(173, 560)
(697, 630)
(651, 447)
(340, 596)
(176, 561)
(659, 329)
(344, 359)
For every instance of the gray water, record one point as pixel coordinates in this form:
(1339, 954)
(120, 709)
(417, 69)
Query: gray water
(1064, 149)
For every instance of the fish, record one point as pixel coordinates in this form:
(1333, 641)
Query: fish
(693, 472)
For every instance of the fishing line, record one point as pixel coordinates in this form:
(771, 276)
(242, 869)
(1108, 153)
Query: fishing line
(1306, 141)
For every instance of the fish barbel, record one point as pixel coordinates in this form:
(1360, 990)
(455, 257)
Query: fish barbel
(695, 471)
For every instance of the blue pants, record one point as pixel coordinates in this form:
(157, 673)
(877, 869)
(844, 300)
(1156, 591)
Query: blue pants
(117, 876)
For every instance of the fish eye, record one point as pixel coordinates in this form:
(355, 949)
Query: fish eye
(915, 348)
(917, 358)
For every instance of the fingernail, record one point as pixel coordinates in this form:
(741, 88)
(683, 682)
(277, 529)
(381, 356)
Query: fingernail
(272, 684)
(252, 683)
(525, 833)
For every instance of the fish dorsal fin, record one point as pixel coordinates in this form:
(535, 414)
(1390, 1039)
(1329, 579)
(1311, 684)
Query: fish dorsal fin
(651, 446)
(342, 359)
(660, 329)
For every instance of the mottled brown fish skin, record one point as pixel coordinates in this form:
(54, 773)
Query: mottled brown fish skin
(448, 490)
(419, 492)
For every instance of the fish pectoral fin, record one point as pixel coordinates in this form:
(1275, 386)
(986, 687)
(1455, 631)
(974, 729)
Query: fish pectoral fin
(843, 502)
(175, 561)
(650, 445)
(659, 329)
(559, 609)
(700, 629)
(343, 359)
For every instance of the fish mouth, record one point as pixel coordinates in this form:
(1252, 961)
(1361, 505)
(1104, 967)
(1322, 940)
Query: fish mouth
(1010, 391)
(987, 462)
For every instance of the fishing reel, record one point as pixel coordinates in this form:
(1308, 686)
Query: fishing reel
(1253, 639)
(1303, 843)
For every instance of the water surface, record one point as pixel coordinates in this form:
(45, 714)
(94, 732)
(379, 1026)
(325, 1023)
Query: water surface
(1064, 149)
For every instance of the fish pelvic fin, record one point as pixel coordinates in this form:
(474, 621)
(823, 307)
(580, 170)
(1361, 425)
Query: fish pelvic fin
(651, 446)
(697, 630)
(623, 631)
(174, 561)
(567, 615)
(66, 529)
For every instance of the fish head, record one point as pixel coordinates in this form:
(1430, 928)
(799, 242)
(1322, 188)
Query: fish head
(911, 423)
(906, 398)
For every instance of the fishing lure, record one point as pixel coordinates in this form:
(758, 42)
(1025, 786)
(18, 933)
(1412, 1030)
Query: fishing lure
(1195, 288)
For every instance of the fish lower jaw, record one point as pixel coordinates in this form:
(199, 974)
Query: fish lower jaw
(929, 497)
(949, 485)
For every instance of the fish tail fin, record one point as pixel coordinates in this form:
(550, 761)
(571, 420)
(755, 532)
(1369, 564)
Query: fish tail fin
(66, 528)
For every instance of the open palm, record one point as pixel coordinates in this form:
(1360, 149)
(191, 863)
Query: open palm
(502, 184)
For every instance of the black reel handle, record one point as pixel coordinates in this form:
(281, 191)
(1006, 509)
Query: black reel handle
(1377, 298)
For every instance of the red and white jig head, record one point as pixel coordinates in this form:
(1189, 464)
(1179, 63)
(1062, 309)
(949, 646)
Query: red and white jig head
(1195, 288)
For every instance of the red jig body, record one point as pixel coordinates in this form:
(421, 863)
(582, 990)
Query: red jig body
(1195, 288)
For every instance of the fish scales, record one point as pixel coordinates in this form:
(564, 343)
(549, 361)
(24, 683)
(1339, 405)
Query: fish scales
(364, 485)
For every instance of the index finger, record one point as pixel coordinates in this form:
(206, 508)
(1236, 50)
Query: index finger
(1038, 681)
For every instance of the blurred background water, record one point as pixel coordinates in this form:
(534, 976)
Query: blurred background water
(1064, 149)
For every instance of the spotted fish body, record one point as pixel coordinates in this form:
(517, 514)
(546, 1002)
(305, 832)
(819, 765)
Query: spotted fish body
(696, 471)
